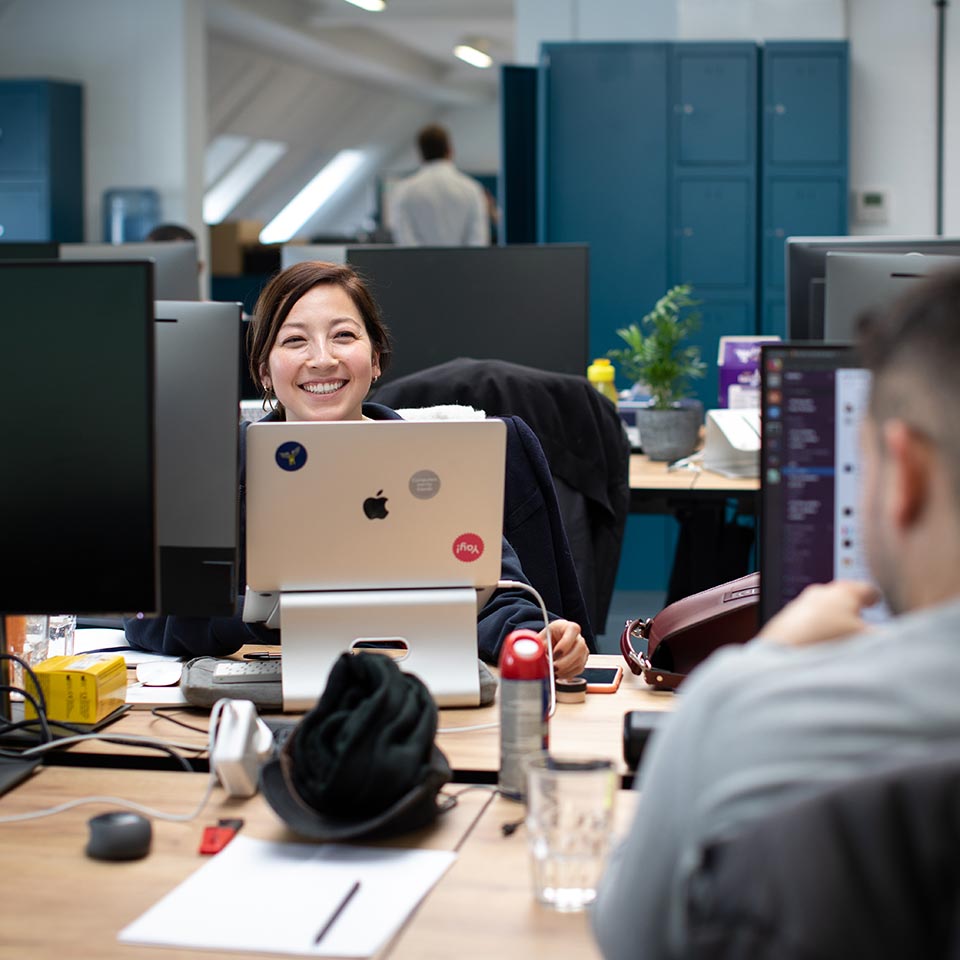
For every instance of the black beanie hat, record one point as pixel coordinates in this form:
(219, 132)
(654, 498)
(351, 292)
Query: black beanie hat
(362, 762)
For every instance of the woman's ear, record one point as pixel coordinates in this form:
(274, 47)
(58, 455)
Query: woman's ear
(375, 366)
(265, 377)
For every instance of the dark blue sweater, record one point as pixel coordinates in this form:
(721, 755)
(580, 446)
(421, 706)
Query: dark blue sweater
(506, 610)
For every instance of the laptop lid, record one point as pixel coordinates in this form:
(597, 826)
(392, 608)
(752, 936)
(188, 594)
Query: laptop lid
(374, 504)
(814, 397)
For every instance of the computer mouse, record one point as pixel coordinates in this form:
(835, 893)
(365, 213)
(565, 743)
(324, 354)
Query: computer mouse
(119, 835)
(159, 673)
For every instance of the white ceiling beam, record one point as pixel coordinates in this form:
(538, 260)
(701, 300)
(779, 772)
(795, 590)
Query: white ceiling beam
(262, 26)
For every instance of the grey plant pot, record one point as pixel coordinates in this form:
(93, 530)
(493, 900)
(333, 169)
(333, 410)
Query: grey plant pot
(670, 434)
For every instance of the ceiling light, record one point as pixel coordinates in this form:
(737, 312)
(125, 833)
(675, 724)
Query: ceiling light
(312, 197)
(375, 6)
(473, 52)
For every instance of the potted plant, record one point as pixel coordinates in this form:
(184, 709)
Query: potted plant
(657, 358)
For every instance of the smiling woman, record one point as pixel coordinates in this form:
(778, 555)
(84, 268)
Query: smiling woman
(316, 343)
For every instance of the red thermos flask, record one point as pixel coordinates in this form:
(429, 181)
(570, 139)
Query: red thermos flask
(524, 708)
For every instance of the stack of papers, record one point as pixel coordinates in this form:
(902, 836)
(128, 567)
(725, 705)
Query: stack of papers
(368, 893)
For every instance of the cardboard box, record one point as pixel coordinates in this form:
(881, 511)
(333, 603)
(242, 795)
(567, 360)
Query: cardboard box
(80, 689)
(227, 243)
(739, 361)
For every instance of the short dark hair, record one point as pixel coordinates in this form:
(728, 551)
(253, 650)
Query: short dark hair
(912, 350)
(278, 297)
(434, 142)
(170, 231)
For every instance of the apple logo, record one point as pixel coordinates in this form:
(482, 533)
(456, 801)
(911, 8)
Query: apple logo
(375, 508)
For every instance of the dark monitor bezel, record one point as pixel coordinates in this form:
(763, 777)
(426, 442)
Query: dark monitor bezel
(771, 550)
(497, 276)
(140, 593)
(805, 262)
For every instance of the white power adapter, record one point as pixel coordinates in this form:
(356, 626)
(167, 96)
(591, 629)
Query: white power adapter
(242, 743)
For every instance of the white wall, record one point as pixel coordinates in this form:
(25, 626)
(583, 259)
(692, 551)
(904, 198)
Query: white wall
(141, 65)
(892, 79)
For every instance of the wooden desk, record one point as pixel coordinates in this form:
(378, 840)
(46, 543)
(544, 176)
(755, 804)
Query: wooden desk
(654, 489)
(594, 727)
(59, 903)
(484, 906)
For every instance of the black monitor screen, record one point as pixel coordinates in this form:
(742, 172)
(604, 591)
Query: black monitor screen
(814, 398)
(76, 437)
(525, 304)
(29, 251)
(806, 265)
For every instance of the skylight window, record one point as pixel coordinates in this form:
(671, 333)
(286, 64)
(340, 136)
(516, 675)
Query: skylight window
(313, 196)
(238, 181)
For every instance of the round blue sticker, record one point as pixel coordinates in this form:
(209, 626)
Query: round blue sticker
(291, 455)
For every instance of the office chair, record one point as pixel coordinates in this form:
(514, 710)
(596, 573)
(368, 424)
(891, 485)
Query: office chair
(868, 868)
(581, 435)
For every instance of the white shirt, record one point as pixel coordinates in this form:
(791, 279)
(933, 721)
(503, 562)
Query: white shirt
(438, 206)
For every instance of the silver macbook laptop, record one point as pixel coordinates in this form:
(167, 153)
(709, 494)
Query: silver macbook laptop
(367, 505)
(375, 535)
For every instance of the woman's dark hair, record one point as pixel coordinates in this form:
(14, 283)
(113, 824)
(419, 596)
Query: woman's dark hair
(278, 297)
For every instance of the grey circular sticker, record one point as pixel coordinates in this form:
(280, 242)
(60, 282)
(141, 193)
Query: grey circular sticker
(424, 484)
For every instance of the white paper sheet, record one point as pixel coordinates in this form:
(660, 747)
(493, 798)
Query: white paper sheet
(298, 887)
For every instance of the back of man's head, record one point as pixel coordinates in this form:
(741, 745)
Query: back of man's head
(434, 143)
(913, 352)
(164, 232)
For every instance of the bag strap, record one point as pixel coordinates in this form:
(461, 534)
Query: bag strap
(639, 663)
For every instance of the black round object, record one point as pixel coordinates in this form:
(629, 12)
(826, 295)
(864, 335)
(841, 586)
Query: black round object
(119, 835)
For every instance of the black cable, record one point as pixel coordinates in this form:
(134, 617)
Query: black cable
(161, 713)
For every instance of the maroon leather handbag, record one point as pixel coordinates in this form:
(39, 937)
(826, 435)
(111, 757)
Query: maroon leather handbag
(686, 632)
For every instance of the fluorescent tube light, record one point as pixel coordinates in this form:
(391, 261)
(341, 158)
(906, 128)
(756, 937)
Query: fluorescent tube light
(312, 197)
(238, 181)
(374, 6)
(473, 55)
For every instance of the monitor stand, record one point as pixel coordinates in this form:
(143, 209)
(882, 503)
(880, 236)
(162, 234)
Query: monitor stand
(435, 630)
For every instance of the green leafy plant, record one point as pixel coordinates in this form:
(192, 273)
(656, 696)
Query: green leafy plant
(655, 354)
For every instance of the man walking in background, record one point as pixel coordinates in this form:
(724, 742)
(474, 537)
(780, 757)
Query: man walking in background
(438, 206)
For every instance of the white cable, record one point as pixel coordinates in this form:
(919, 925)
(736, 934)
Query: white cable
(517, 584)
(475, 726)
(120, 801)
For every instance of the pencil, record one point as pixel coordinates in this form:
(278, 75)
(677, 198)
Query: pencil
(325, 929)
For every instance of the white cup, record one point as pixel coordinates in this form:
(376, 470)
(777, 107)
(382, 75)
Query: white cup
(569, 827)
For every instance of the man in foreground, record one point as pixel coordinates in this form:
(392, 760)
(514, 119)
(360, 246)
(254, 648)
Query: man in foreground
(787, 715)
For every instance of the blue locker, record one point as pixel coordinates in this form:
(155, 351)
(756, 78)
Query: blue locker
(41, 160)
(714, 242)
(714, 104)
(602, 172)
(804, 93)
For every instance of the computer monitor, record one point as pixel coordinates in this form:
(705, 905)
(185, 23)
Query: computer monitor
(29, 251)
(198, 398)
(858, 282)
(77, 487)
(814, 397)
(527, 304)
(177, 274)
(805, 268)
(291, 253)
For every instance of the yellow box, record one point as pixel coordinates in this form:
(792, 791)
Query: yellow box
(80, 689)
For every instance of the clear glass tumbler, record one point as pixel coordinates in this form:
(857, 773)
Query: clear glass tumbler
(569, 827)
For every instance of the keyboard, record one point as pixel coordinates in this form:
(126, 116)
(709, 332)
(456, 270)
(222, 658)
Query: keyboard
(247, 671)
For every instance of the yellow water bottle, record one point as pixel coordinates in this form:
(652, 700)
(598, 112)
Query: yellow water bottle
(601, 374)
